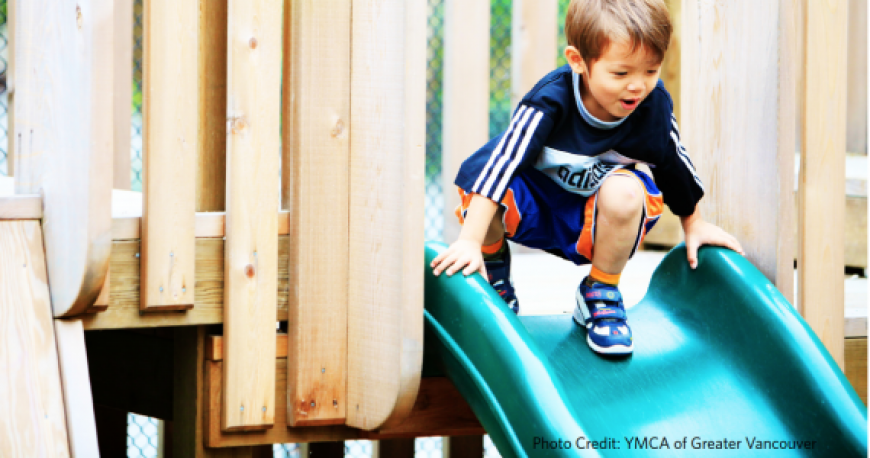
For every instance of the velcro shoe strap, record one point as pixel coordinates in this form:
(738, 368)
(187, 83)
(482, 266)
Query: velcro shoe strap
(608, 312)
(603, 295)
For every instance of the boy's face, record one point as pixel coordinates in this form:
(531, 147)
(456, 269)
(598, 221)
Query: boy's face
(615, 84)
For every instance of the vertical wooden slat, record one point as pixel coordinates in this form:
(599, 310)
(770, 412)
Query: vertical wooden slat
(788, 107)
(465, 119)
(170, 118)
(32, 420)
(393, 448)
(386, 190)
(462, 447)
(211, 173)
(251, 260)
(670, 74)
(533, 44)
(123, 91)
(821, 216)
(316, 160)
(730, 123)
(79, 404)
(63, 130)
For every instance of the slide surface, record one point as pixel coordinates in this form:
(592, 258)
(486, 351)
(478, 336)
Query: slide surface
(721, 359)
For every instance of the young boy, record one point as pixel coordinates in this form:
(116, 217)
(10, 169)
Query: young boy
(563, 177)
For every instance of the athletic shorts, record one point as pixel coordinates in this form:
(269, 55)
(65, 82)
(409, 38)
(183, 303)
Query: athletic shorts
(538, 213)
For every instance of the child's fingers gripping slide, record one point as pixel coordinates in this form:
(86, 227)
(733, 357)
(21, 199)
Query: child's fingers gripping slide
(461, 254)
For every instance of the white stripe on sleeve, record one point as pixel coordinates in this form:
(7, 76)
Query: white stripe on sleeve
(685, 158)
(484, 174)
(505, 180)
(507, 154)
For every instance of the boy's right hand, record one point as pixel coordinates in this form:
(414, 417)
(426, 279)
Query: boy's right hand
(462, 253)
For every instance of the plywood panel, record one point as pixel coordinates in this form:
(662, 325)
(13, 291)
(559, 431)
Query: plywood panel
(856, 365)
(465, 118)
(386, 191)
(63, 132)
(731, 70)
(73, 358)
(251, 260)
(315, 192)
(169, 140)
(32, 419)
(821, 215)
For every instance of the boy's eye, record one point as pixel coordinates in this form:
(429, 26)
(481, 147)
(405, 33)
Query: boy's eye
(620, 73)
(652, 72)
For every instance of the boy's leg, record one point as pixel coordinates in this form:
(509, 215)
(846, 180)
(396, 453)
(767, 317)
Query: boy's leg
(620, 209)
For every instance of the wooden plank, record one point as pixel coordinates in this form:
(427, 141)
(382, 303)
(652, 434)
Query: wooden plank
(214, 347)
(533, 45)
(32, 418)
(786, 111)
(189, 410)
(855, 351)
(671, 69)
(821, 213)
(211, 174)
(465, 99)
(385, 329)
(251, 261)
(439, 410)
(123, 311)
(856, 77)
(72, 355)
(27, 206)
(63, 130)
(722, 135)
(170, 143)
(122, 85)
(102, 302)
(316, 156)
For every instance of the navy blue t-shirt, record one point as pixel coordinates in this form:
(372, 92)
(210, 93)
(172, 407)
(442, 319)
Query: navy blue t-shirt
(548, 135)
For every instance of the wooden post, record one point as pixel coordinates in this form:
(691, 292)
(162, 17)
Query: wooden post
(533, 44)
(387, 138)
(169, 140)
(251, 261)
(211, 173)
(316, 158)
(393, 448)
(32, 419)
(63, 130)
(463, 447)
(465, 119)
(123, 91)
(732, 63)
(72, 356)
(670, 74)
(822, 173)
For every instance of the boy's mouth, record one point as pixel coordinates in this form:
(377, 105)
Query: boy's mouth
(629, 104)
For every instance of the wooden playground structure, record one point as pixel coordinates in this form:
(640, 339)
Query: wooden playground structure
(246, 317)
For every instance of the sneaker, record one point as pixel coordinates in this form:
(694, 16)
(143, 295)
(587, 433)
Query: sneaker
(499, 271)
(601, 312)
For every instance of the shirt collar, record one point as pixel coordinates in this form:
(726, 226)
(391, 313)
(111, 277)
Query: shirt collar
(584, 113)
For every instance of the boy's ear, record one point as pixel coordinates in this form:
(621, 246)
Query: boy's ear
(575, 60)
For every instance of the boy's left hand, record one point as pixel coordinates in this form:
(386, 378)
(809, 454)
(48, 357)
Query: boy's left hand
(699, 232)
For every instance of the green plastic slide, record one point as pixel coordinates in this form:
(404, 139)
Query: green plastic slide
(722, 366)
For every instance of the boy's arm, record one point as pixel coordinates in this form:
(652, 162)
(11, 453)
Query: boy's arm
(466, 250)
(699, 232)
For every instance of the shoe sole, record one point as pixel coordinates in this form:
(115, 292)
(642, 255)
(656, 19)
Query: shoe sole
(580, 314)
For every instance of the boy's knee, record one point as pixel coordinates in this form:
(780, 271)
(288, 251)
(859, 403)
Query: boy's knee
(620, 199)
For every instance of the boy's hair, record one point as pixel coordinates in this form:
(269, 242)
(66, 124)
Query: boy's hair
(592, 25)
